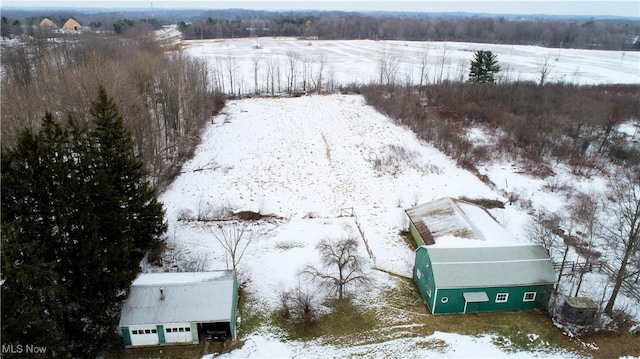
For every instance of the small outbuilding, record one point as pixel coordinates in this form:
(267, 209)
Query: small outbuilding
(171, 308)
(482, 279)
(579, 310)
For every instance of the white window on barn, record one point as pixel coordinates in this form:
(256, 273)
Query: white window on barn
(529, 297)
(502, 297)
(428, 288)
(419, 274)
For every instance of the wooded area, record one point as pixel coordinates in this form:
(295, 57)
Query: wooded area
(165, 97)
(573, 33)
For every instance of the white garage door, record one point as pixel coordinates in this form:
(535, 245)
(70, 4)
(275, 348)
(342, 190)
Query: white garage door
(178, 333)
(144, 335)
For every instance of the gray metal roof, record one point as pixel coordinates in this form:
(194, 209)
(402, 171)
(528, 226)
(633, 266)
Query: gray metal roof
(490, 266)
(202, 297)
(443, 217)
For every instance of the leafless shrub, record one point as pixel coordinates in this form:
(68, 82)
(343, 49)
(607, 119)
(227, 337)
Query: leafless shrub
(186, 215)
(178, 258)
(208, 212)
(484, 202)
(404, 224)
(554, 184)
(299, 306)
(395, 159)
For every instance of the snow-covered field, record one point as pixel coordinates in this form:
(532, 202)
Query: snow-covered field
(358, 61)
(312, 159)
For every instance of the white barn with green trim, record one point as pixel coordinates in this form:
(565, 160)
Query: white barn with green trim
(173, 308)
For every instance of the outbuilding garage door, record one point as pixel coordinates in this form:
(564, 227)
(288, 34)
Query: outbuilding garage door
(178, 333)
(144, 336)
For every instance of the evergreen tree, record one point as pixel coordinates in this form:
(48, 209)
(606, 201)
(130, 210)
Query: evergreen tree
(31, 240)
(484, 66)
(78, 213)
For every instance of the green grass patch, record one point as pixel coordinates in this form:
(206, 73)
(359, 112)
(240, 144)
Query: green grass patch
(515, 331)
(343, 319)
(163, 352)
(253, 313)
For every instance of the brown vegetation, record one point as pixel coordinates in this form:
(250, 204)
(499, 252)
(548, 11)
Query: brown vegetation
(528, 122)
(164, 98)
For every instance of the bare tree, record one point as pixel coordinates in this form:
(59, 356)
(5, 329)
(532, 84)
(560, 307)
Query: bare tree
(623, 233)
(443, 61)
(232, 69)
(306, 73)
(292, 64)
(318, 80)
(341, 265)
(541, 230)
(234, 238)
(256, 65)
(544, 69)
(388, 67)
(423, 58)
(583, 209)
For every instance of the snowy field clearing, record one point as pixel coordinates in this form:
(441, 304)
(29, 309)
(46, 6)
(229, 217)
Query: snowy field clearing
(313, 156)
(310, 159)
(358, 61)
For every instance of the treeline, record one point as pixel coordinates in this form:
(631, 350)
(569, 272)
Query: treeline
(533, 123)
(165, 98)
(589, 34)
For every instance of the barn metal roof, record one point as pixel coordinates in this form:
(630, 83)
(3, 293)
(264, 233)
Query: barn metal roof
(476, 267)
(453, 222)
(202, 297)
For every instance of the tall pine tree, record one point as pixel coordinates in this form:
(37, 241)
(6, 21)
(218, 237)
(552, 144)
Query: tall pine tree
(78, 213)
(484, 67)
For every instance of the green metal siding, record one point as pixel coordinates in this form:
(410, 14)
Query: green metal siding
(194, 332)
(234, 309)
(160, 329)
(423, 264)
(455, 302)
(126, 336)
(414, 233)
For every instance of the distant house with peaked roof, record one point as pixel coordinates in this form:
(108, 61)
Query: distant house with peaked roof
(48, 24)
(72, 25)
(170, 308)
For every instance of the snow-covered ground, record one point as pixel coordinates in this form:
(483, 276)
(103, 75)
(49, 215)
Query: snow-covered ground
(312, 160)
(358, 61)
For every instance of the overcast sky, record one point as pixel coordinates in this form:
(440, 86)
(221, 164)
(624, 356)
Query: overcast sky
(566, 7)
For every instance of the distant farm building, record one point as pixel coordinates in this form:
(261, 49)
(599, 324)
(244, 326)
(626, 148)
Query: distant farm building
(72, 25)
(482, 279)
(48, 24)
(169, 308)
